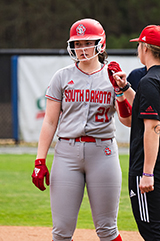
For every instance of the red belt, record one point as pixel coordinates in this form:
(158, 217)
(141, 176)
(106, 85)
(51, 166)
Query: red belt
(85, 139)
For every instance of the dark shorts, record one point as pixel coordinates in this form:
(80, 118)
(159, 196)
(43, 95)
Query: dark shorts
(146, 209)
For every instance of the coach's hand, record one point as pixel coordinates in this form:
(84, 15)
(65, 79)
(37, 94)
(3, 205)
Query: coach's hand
(146, 184)
(113, 67)
(40, 171)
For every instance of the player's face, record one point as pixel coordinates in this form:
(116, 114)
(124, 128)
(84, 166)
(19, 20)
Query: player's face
(141, 52)
(85, 49)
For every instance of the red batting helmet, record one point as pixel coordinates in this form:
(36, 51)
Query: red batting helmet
(87, 29)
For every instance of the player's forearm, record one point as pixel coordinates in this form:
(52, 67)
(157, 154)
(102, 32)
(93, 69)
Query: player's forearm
(151, 147)
(124, 110)
(45, 139)
(130, 94)
(126, 121)
(121, 80)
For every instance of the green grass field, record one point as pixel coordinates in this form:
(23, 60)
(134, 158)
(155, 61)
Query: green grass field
(22, 204)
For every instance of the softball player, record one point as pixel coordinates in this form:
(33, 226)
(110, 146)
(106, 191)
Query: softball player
(86, 152)
(144, 168)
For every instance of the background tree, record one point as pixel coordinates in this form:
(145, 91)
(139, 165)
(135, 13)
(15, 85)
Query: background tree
(45, 24)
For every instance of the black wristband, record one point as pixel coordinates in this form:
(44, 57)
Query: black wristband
(126, 87)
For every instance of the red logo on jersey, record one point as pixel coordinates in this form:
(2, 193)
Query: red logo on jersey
(71, 82)
(80, 29)
(149, 109)
(107, 151)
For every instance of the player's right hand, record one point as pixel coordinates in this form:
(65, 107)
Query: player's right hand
(39, 173)
(120, 78)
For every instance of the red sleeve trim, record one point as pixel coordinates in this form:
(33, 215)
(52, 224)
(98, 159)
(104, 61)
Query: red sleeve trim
(49, 97)
(143, 113)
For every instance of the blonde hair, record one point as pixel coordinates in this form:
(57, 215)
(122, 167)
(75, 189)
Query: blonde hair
(154, 49)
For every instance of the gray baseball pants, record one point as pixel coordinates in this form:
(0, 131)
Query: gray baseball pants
(95, 165)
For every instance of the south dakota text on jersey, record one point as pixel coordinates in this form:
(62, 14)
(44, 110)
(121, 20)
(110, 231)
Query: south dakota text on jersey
(78, 95)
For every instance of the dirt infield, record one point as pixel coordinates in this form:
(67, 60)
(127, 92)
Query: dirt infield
(15, 233)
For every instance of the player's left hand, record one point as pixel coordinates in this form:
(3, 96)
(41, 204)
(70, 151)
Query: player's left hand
(113, 67)
(146, 184)
(39, 173)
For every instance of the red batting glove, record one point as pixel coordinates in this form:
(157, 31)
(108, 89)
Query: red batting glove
(40, 171)
(113, 67)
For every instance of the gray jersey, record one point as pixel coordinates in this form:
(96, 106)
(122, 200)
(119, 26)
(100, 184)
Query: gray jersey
(87, 102)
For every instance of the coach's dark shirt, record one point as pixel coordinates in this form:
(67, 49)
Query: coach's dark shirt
(146, 105)
(135, 76)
